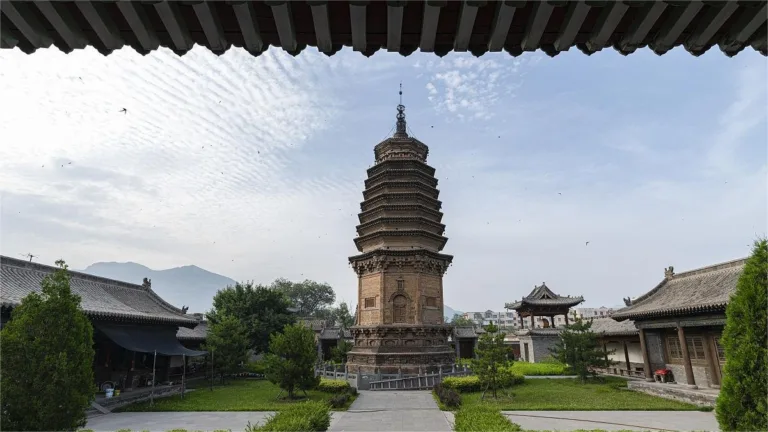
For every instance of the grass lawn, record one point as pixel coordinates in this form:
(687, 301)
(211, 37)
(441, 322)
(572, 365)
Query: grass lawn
(237, 395)
(566, 394)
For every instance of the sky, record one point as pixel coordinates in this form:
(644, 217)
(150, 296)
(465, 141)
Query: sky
(253, 167)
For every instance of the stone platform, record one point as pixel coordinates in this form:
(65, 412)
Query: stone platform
(701, 396)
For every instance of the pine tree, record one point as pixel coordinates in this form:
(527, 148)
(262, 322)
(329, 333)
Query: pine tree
(491, 365)
(46, 360)
(578, 347)
(291, 360)
(743, 401)
(227, 339)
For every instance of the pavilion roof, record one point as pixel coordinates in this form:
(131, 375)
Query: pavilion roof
(101, 298)
(542, 296)
(704, 290)
(368, 26)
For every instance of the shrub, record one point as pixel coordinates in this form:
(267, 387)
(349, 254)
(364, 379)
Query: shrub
(448, 396)
(578, 347)
(742, 404)
(339, 400)
(291, 359)
(540, 369)
(46, 373)
(333, 386)
(309, 416)
(256, 367)
(465, 384)
(484, 418)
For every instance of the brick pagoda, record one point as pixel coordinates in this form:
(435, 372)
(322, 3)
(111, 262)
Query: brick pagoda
(399, 327)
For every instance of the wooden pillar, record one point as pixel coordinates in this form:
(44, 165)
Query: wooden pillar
(552, 322)
(646, 360)
(533, 322)
(626, 359)
(713, 381)
(605, 353)
(686, 357)
(566, 319)
(520, 317)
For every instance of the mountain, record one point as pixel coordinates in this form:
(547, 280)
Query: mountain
(448, 313)
(181, 286)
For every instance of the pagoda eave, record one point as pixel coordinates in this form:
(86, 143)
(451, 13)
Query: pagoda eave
(401, 253)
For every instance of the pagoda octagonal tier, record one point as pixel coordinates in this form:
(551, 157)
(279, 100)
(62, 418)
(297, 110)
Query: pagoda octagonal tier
(399, 325)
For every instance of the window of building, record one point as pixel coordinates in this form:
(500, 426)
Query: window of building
(720, 350)
(673, 348)
(695, 347)
(370, 302)
(431, 302)
(398, 309)
(400, 284)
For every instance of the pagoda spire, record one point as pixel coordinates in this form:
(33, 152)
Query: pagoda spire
(400, 130)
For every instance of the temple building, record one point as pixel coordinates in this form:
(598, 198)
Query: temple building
(680, 322)
(542, 303)
(134, 329)
(399, 326)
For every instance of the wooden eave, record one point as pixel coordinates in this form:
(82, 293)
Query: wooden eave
(398, 26)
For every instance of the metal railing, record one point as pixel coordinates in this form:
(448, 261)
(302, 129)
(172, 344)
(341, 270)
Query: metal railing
(419, 382)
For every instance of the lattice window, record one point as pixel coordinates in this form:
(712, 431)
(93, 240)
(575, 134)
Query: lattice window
(720, 350)
(673, 348)
(695, 347)
(431, 302)
(400, 284)
(370, 302)
(398, 309)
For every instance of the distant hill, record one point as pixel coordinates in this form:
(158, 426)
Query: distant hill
(181, 286)
(448, 312)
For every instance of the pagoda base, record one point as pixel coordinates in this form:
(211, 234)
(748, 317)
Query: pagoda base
(405, 349)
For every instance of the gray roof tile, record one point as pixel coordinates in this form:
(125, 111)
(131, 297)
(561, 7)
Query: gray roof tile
(707, 289)
(199, 333)
(101, 297)
(611, 327)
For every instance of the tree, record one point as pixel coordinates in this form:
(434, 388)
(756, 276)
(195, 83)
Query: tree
(339, 352)
(461, 321)
(742, 403)
(344, 316)
(261, 310)
(309, 297)
(578, 347)
(290, 362)
(491, 363)
(47, 359)
(228, 340)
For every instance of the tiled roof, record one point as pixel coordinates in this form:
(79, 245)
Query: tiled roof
(315, 324)
(611, 327)
(543, 296)
(540, 331)
(467, 332)
(368, 26)
(199, 333)
(703, 290)
(334, 333)
(101, 297)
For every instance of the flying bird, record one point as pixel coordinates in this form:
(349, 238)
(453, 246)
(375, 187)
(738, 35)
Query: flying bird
(124, 111)
(559, 193)
(587, 244)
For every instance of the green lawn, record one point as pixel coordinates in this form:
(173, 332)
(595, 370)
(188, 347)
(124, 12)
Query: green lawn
(237, 395)
(567, 394)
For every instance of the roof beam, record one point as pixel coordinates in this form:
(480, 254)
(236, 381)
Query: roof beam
(394, 24)
(101, 23)
(322, 26)
(673, 27)
(134, 15)
(745, 26)
(7, 39)
(25, 21)
(641, 25)
(286, 31)
(429, 26)
(609, 18)
(574, 19)
(467, 15)
(502, 19)
(699, 39)
(64, 24)
(357, 15)
(209, 21)
(541, 13)
(249, 28)
(177, 30)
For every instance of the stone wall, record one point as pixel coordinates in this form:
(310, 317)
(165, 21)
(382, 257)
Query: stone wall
(538, 347)
(673, 391)
(700, 374)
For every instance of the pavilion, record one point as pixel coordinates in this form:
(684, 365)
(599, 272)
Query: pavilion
(135, 330)
(479, 27)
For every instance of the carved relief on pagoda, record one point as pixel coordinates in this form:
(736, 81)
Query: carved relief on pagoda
(418, 263)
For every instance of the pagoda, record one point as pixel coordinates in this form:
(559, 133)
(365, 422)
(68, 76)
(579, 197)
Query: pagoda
(399, 324)
(542, 302)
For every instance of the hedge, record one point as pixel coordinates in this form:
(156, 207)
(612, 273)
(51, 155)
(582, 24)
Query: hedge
(475, 418)
(333, 386)
(308, 416)
(471, 383)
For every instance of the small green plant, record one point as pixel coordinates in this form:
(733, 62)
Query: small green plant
(472, 383)
(333, 386)
(491, 363)
(306, 417)
(484, 418)
(257, 367)
(339, 400)
(447, 396)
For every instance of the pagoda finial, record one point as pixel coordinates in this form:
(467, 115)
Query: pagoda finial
(400, 131)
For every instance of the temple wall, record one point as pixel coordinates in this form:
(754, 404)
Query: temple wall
(655, 349)
(370, 287)
(538, 347)
(431, 286)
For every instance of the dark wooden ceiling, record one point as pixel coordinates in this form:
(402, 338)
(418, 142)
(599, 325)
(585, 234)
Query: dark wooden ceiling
(401, 26)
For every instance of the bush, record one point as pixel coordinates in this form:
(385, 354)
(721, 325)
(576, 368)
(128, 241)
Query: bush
(256, 367)
(540, 369)
(471, 383)
(306, 416)
(484, 418)
(742, 404)
(333, 386)
(291, 359)
(448, 396)
(339, 400)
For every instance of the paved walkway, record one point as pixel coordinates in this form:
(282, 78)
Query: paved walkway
(165, 421)
(392, 411)
(615, 420)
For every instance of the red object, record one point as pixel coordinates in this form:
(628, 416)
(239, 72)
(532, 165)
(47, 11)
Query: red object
(662, 371)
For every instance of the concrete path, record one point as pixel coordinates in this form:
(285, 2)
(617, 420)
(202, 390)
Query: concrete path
(615, 420)
(165, 421)
(392, 411)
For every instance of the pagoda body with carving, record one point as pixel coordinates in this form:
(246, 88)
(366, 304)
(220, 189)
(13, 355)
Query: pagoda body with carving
(399, 325)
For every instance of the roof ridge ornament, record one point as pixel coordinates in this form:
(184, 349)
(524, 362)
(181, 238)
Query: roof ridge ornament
(400, 130)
